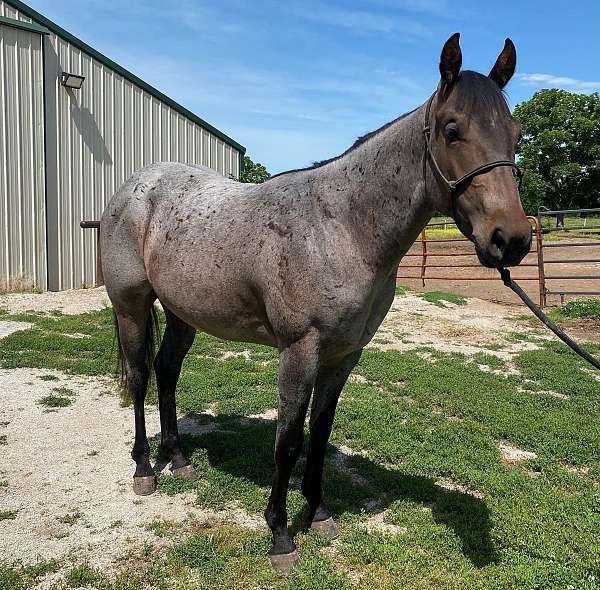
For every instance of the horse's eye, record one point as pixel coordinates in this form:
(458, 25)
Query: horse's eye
(452, 132)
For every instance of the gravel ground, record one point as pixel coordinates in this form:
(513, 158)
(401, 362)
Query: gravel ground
(74, 461)
(68, 302)
(413, 323)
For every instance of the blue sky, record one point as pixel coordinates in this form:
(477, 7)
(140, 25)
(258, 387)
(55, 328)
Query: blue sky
(298, 81)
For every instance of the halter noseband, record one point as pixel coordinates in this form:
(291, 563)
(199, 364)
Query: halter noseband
(454, 185)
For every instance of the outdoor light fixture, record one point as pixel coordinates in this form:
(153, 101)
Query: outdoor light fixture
(71, 80)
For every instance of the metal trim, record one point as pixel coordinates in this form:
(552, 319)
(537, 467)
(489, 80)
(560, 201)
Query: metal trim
(21, 24)
(57, 30)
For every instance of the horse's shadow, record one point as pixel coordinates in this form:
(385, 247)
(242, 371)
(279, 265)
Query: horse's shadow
(243, 448)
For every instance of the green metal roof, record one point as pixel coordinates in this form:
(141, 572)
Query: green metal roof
(48, 26)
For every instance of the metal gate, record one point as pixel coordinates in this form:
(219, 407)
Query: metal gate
(22, 185)
(571, 223)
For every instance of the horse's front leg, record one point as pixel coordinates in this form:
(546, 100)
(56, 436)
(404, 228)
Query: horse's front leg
(328, 387)
(298, 365)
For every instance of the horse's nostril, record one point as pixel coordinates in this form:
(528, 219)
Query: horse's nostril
(498, 240)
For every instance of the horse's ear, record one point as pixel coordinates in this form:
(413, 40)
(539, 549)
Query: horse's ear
(505, 65)
(450, 61)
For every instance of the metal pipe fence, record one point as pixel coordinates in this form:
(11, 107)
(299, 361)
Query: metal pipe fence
(427, 253)
(579, 231)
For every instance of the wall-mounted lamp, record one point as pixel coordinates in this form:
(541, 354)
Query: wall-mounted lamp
(71, 80)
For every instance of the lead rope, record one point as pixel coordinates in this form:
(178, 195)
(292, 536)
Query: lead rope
(508, 281)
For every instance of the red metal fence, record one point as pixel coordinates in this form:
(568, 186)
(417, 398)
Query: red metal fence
(448, 259)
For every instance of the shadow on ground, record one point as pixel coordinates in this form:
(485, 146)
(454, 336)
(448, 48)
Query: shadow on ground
(243, 448)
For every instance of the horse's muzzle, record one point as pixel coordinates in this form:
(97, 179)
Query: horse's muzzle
(505, 248)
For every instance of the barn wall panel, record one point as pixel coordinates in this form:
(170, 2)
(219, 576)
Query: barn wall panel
(22, 190)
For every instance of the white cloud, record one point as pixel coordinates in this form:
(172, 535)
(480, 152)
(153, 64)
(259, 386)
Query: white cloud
(558, 81)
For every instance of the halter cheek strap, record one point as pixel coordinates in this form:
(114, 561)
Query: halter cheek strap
(455, 185)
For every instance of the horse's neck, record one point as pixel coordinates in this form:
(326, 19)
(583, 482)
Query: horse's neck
(381, 188)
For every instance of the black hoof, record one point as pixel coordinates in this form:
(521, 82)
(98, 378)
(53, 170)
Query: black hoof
(283, 563)
(186, 471)
(145, 485)
(326, 527)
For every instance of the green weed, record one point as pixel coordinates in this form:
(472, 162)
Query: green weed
(440, 298)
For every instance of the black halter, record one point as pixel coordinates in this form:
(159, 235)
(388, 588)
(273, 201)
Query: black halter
(455, 185)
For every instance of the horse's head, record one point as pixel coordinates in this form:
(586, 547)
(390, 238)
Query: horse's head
(471, 125)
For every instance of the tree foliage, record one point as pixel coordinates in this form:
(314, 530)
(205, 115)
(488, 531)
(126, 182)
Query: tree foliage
(560, 150)
(253, 172)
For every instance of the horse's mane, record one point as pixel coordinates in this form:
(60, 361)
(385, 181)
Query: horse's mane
(474, 91)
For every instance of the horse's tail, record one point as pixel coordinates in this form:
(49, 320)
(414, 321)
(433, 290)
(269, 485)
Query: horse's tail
(152, 338)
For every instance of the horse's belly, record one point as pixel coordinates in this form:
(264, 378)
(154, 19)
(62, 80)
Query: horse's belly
(224, 309)
(229, 325)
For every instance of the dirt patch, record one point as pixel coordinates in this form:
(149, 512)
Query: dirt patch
(68, 302)
(7, 327)
(446, 486)
(69, 474)
(512, 455)
(587, 329)
(549, 393)
(377, 524)
(477, 327)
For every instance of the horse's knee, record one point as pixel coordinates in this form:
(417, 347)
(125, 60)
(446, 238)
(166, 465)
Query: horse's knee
(137, 381)
(288, 448)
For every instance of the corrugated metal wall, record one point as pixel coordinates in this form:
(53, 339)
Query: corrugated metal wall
(105, 132)
(22, 194)
(96, 138)
(10, 12)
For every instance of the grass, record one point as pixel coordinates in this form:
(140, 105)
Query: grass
(450, 231)
(22, 577)
(55, 401)
(579, 308)
(64, 391)
(501, 529)
(82, 575)
(8, 514)
(441, 298)
(70, 518)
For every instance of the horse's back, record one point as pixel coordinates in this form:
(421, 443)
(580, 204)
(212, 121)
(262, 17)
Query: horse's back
(130, 213)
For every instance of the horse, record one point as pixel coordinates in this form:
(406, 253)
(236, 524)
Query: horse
(305, 262)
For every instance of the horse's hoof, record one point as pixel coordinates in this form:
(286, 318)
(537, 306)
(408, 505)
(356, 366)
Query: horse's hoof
(326, 527)
(145, 485)
(283, 563)
(186, 471)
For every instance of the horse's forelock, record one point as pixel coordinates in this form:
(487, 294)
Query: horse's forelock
(478, 94)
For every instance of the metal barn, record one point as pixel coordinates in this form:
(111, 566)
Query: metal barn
(64, 150)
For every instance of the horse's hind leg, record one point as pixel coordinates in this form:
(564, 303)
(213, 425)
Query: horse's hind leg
(176, 342)
(328, 387)
(133, 322)
(298, 365)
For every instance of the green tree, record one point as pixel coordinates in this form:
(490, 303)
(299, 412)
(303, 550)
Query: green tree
(253, 172)
(559, 150)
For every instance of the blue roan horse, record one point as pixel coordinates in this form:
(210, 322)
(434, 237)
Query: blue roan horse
(305, 262)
